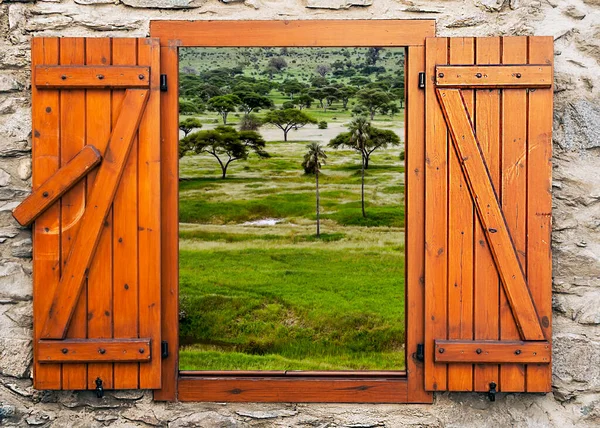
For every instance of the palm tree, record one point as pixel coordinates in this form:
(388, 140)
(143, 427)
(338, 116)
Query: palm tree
(314, 159)
(359, 134)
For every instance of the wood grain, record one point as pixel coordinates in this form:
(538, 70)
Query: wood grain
(460, 238)
(53, 188)
(490, 214)
(125, 233)
(109, 175)
(486, 293)
(513, 197)
(99, 283)
(69, 77)
(302, 33)
(436, 219)
(483, 352)
(72, 136)
(539, 207)
(45, 108)
(94, 350)
(148, 196)
(298, 390)
(494, 76)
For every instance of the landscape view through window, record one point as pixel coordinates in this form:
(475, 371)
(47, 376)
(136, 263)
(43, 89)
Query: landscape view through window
(291, 208)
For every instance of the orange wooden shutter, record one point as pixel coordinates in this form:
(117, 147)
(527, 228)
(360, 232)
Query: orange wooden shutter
(488, 214)
(96, 201)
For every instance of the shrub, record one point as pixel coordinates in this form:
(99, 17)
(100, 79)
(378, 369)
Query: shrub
(250, 122)
(402, 155)
(322, 125)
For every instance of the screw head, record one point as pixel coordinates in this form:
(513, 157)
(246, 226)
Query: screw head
(141, 77)
(101, 76)
(440, 74)
(441, 350)
(45, 194)
(518, 352)
(479, 351)
(63, 77)
(518, 75)
(64, 350)
(102, 351)
(478, 75)
(142, 350)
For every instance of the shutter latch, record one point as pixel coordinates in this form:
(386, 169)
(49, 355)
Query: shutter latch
(422, 80)
(492, 392)
(99, 388)
(164, 349)
(163, 83)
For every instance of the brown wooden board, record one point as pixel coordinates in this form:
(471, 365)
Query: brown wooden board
(447, 351)
(46, 230)
(494, 76)
(490, 145)
(53, 188)
(94, 350)
(65, 77)
(65, 121)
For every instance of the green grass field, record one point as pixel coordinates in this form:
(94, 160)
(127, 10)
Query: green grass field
(258, 289)
(276, 297)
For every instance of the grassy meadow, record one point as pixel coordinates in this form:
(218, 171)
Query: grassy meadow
(258, 289)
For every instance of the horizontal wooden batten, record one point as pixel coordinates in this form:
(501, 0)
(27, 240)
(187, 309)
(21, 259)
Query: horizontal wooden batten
(493, 76)
(91, 351)
(65, 77)
(492, 352)
(295, 373)
(53, 188)
(298, 390)
(303, 33)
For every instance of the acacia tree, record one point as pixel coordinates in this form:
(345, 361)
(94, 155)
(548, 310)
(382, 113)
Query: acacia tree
(291, 87)
(372, 99)
(224, 104)
(365, 139)
(251, 101)
(323, 69)
(287, 119)
(225, 144)
(189, 124)
(314, 159)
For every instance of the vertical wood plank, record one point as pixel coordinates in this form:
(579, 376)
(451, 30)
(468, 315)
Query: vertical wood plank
(125, 237)
(73, 121)
(149, 216)
(169, 120)
(513, 195)
(436, 195)
(415, 223)
(539, 207)
(98, 128)
(46, 230)
(486, 297)
(460, 239)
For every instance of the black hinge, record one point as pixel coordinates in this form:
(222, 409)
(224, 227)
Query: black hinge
(164, 349)
(422, 80)
(420, 354)
(163, 83)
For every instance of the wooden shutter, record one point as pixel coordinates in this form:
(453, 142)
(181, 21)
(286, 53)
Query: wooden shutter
(488, 214)
(96, 205)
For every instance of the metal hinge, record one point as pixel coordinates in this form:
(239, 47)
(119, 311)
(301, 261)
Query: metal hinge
(422, 80)
(163, 83)
(420, 354)
(164, 349)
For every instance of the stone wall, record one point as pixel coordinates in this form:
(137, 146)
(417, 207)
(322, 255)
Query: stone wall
(575, 25)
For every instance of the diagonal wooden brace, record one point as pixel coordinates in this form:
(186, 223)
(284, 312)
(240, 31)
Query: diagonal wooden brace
(101, 198)
(493, 222)
(57, 185)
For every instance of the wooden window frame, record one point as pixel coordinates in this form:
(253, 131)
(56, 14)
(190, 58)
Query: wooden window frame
(253, 386)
